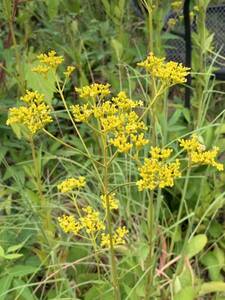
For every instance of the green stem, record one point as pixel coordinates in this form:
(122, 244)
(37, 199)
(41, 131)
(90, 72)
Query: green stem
(109, 224)
(149, 259)
(181, 206)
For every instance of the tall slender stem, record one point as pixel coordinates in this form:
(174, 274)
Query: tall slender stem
(109, 223)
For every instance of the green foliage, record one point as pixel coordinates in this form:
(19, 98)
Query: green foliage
(104, 40)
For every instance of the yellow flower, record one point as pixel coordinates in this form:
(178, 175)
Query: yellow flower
(81, 113)
(170, 72)
(198, 155)
(35, 115)
(105, 109)
(69, 224)
(32, 97)
(139, 140)
(157, 153)
(118, 237)
(110, 123)
(69, 71)
(71, 183)
(120, 142)
(113, 202)
(124, 103)
(94, 90)
(41, 69)
(91, 221)
(156, 172)
(50, 59)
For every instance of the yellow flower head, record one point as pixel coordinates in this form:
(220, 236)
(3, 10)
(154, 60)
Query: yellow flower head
(156, 172)
(118, 237)
(81, 113)
(139, 140)
(169, 73)
(70, 184)
(113, 202)
(50, 59)
(91, 221)
(34, 116)
(69, 71)
(124, 103)
(94, 90)
(198, 155)
(69, 224)
(120, 141)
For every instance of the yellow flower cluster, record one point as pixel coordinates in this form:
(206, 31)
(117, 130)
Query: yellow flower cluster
(48, 61)
(91, 221)
(198, 155)
(157, 172)
(69, 71)
(69, 224)
(71, 183)
(118, 237)
(81, 113)
(34, 115)
(116, 118)
(94, 90)
(170, 72)
(113, 202)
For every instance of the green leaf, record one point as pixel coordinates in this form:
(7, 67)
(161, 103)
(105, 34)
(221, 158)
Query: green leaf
(22, 291)
(187, 293)
(5, 284)
(212, 287)
(2, 252)
(15, 247)
(13, 256)
(22, 270)
(195, 245)
(40, 83)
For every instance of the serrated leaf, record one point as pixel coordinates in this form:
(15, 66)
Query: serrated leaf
(195, 245)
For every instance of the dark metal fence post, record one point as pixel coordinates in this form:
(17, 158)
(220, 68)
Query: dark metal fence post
(187, 32)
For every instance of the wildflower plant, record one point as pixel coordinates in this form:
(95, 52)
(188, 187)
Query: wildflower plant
(121, 127)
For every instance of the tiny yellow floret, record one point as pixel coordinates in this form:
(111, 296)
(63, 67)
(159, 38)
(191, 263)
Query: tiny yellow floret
(113, 202)
(91, 221)
(69, 224)
(117, 239)
(71, 183)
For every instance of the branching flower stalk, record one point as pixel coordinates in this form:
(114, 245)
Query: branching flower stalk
(109, 221)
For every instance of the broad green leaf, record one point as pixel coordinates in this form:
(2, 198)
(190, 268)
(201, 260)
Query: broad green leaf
(40, 83)
(212, 287)
(187, 293)
(22, 290)
(5, 284)
(195, 245)
(22, 270)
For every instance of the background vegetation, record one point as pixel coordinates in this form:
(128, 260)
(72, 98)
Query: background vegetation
(104, 40)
